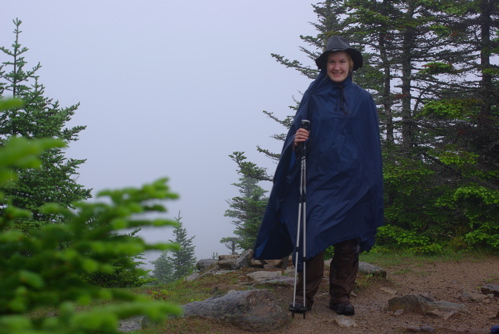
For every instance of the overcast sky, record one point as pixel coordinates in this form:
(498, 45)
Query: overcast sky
(168, 89)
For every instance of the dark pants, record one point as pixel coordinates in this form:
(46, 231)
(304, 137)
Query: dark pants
(342, 274)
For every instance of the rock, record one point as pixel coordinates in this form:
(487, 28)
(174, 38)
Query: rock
(257, 263)
(490, 288)
(389, 290)
(131, 324)
(272, 264)
(244, 260)
(441, 314)
(427, 329)
(371, 269)
(399, 312)
(228, 264)
(290, 271)
(344, 322)
(409, 303)
(473, 297)
(251, 310)
(422, 305)
(148, 323)
(235, 262)
(213, 270)
(450, 307)
(264, 275)
(136, 324)
(205, 264)
(270, 277)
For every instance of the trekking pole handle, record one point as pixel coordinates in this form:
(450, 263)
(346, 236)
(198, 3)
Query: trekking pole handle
(305, 124)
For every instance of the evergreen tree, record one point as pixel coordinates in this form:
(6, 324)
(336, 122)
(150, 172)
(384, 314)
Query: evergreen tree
(247, 211)
(40, 117)
(428, 66)
(230, 243)
(163, 269)
(463, 123)
(331, 19)
(124, 269)
(50, 278)
(55, 180)
(182, 261)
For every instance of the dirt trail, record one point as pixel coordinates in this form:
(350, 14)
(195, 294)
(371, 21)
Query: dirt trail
(444, 281)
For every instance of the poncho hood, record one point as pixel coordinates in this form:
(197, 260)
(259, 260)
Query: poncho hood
(344, 174)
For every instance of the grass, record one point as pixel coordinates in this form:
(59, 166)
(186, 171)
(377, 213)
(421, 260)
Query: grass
(396, 259)
(183, 292)
(491, 280)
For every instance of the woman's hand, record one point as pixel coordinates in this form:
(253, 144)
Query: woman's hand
(300, 136)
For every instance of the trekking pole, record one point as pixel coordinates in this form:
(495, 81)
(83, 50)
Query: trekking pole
(301, 227)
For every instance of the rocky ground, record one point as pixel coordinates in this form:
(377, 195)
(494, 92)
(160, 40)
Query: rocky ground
(449, 281)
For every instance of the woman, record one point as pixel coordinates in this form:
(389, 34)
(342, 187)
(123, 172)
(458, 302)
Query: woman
(344, 204)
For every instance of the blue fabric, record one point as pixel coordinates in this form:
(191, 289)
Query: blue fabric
(344, 174)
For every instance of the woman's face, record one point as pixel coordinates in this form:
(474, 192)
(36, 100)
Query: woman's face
(338, 66)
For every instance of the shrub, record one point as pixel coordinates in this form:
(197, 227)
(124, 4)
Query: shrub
(41, 270)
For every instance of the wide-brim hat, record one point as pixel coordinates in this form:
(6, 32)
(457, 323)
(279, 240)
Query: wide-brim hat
(338, 43)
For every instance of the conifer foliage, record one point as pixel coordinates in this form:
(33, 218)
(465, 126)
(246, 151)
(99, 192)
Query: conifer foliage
(39, 117)
(41, 290)
(431, 67)
(247, 211)
(181, 262)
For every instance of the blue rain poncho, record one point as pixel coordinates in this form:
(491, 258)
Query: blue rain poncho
(344, 174)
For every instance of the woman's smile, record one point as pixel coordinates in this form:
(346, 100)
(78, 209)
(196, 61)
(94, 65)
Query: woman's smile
(338, 66)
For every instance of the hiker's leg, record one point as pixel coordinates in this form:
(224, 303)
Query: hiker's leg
(343, 272)
(314, 274)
